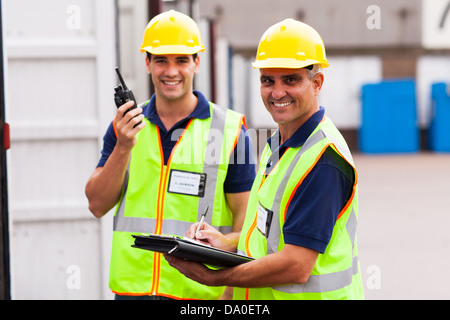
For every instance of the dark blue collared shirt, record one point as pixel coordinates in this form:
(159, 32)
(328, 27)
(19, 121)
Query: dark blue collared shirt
(240, 173)
(315, 206)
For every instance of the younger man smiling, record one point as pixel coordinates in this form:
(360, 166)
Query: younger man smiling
(143, 166)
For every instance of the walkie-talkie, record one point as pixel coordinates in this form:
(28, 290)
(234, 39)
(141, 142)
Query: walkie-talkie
(122, 94)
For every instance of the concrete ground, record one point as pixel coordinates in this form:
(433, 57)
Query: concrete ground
(404, 225)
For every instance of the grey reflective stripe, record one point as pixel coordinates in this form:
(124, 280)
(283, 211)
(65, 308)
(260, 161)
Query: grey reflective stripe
(211, 168)
(211, 163)
(350, 226)
(148, 225)
(120, 222)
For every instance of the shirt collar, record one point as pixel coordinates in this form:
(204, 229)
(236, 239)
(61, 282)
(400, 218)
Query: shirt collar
(201, 111)
(299, 137)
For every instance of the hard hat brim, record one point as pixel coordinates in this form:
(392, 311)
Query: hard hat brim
(173, 49)
(287, 63)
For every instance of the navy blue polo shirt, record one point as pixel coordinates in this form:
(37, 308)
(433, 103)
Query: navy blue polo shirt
(241, 170)
(316, 204)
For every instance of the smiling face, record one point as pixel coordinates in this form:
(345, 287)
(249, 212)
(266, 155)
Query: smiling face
(172, 75)
(290, 97)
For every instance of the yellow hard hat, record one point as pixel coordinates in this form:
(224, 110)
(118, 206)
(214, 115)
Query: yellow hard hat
(290, 44)
(172, 32)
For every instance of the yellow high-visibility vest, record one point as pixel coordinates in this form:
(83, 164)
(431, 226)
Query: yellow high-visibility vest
(167, 199)
(336, 274)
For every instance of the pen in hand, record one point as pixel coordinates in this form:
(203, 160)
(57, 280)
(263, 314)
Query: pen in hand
(201, 221)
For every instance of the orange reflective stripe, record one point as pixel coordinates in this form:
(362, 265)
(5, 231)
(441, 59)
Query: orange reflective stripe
(244, 122)
(353, 189)
(155, 276)
(237, 136)
(348, 203)
(131, 293)
(174, 297)
(247, 238)
(115, 129)
(252, 227)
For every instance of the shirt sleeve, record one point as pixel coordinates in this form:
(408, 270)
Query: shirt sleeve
(241, 170)
(109, 142)
(316, 204)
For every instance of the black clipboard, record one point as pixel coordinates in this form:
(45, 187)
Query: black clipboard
(189, 249)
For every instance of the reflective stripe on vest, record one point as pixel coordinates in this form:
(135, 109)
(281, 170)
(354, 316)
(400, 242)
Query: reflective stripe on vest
(210, 168)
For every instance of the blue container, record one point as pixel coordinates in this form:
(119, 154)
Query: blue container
(439, 129)
(389, 118)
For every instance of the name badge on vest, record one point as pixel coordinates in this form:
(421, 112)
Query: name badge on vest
(264, 220)
(188, 183)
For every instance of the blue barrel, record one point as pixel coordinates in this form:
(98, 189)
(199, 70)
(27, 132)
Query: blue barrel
(389, 117)
(439, 128)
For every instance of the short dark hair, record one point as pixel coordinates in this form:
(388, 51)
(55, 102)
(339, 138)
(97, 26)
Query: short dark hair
(149, 56)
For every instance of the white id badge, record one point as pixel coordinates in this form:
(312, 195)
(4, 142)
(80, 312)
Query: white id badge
(264, 220)
(188, 183)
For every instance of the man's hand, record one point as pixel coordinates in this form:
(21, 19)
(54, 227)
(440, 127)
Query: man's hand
(211, 236)
(126, 124)
(193, 270)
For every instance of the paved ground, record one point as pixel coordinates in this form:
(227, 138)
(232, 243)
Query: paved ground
(404, 225)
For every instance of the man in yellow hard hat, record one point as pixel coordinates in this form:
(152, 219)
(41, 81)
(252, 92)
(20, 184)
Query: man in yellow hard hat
(167, 160)
(300, 224)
